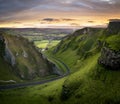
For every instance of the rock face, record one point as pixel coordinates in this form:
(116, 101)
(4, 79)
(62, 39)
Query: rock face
(53, 67)
(114, 26)
(110, 59)
(9, 55)
(25, 55)
(82, 31)
(2, 46)
(6, 52)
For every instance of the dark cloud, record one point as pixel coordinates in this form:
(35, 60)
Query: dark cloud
(68, 19)
(91, 21)
(8, 7)
(51, 20)
(58, 20)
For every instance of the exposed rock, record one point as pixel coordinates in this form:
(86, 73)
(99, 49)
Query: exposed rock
(114, 26)
(25, 55)
(56, 70)
(9, 55)
(22, 76)
(2, 46)
(82, 31)
(110, 59)
(53, 67)
(17, 54)
(86, 30)
(6, 52)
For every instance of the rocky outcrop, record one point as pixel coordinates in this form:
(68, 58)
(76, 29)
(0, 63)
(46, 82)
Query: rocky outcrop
(86, 30)
(24, 53)
(53, 67)
(110, 58)
(2, 46)
(82, 31)
(6, 52)
(114, 26)
(9, 55)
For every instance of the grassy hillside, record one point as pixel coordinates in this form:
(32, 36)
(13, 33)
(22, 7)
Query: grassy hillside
(6, 72)
(89, 81)
(29, 62)
(79, 48)
(46, 43)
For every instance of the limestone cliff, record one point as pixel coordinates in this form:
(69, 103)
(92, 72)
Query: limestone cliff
(110, 59)
(114, 26)
(110, 53)
(2, 46)
(9, 55)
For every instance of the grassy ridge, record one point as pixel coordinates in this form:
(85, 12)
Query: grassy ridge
(114, 42)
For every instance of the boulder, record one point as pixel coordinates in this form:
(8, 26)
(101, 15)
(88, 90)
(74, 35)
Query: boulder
(25, 55)
(110, 59)
(9, 56)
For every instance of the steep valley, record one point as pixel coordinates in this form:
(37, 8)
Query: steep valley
(93, 57)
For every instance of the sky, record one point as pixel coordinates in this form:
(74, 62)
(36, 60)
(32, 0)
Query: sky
(57, 13)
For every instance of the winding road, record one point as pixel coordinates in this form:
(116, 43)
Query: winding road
(19, 85)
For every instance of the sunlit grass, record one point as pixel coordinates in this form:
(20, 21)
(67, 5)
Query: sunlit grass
(114, 42)
(46, 43)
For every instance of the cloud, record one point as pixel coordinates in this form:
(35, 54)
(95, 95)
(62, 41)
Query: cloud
(8, 7)
(91, 21)
(17, 22)
(68, 19)
(51, 20)
(16, 6)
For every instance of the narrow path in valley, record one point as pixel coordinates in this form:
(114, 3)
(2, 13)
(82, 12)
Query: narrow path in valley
(19, 85)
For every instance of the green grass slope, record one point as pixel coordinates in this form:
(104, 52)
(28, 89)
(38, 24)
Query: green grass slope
(29, 62)
(72, 50)
(6, 72)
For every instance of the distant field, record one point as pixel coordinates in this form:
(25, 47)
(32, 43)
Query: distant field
(46, 43)
(39, 37)
(31, 38)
